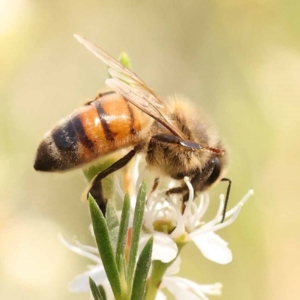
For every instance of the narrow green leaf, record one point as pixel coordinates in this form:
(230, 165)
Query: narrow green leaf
(123, 229)
(136, 230)
(123, 275)
(102, 292)
(104, 247)
(95, 291)
(112, 225)
(141, 272)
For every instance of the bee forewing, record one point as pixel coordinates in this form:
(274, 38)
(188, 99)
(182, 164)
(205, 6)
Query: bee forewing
(129, 85)
(107, 59)
(124, 77)
(116, 68)
(143, 100)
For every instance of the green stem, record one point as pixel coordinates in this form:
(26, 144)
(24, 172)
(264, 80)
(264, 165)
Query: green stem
(158, 270)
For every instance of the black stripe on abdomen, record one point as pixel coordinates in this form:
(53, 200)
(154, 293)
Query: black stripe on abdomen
(83, 138)
(65, 137)
(102, 115)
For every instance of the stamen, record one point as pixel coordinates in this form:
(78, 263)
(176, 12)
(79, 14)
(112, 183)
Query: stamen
(135, 170)
(241, 203)
(80, 251)
(86, 248)
(203, 206)
(181, 223)
(221, 208)
(228, 221)
(118, 187)
(191, 196)
(194, 208)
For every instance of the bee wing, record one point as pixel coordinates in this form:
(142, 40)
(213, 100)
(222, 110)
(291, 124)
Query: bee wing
(135, 90)
(145, 102)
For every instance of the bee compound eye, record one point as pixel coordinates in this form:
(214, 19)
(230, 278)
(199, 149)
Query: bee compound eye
(215, 173)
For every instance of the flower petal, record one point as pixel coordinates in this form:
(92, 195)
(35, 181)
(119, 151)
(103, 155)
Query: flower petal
(81, 282)
(160, 296)
(164, 248)
(174, 268)
(199, 289)
(212, 247)
(80, 250)
(178, 290)
(183, 288)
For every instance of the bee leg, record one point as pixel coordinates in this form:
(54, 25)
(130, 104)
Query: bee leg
(180, 190)
(96, 189)
(155, 185)
(200, 180)
(166, 138)
(226, 197)
(172, 139)
(176, 190)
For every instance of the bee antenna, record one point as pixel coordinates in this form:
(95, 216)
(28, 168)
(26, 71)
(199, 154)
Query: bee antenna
(218, 152)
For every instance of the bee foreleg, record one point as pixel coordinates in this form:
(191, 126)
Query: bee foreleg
(172, 139)
(165, 138)
(96, 189)
(155, 185)
(226, 197)
(177, 190)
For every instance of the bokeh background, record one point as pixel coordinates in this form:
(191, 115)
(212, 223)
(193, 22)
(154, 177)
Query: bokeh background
(239, 60)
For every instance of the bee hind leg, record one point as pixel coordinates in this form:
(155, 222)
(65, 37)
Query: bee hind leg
(96, 189)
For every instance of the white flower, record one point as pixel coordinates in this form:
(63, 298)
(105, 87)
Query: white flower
(164, 220)
(163, 217)
(164, 248)
(180, 287)
(96, 271)
(183, 288)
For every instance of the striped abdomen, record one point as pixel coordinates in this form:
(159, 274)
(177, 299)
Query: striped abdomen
(104, 125)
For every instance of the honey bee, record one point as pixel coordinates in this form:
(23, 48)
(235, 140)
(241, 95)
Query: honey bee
(176, 140)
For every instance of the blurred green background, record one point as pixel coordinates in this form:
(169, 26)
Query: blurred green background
(239, 59)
